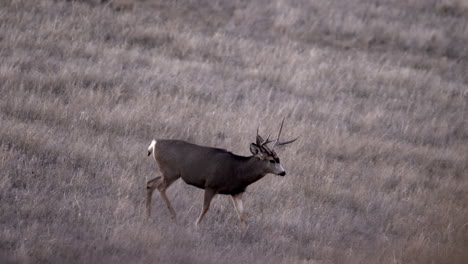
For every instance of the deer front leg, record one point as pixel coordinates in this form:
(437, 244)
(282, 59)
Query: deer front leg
(209, 194)
(238, 205)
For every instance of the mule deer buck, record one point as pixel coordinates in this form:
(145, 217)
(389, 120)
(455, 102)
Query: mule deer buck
(215, 170)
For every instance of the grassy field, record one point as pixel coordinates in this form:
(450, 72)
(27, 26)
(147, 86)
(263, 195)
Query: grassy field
(377, 90)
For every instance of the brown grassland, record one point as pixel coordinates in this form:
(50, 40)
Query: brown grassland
(377, 90)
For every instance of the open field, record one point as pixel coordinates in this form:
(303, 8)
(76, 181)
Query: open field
(377, 90)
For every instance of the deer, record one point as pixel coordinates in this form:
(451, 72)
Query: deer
(215, 170)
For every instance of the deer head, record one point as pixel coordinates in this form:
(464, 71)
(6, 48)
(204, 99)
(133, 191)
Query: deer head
(263, 152)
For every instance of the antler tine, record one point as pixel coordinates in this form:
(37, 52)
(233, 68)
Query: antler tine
(279, 134)
(287, 142)
(258, 138)
(279, 143)
(266, 141)
(281, 129)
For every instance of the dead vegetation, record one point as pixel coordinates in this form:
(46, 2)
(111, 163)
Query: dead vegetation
(378, 91)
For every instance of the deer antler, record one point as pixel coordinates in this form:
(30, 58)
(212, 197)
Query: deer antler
(261, 142)
(279, 143)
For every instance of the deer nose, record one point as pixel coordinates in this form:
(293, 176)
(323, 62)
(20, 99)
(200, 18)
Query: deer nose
(282, 173)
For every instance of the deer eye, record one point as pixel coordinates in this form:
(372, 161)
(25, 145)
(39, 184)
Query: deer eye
(272, 161)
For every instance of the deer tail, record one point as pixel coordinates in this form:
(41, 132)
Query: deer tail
(151, 147)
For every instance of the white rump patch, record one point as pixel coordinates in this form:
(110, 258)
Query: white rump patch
(151, 146)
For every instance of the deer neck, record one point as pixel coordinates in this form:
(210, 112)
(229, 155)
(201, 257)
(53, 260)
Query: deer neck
(252, 171)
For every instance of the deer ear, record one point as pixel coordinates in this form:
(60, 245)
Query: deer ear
(254, 149)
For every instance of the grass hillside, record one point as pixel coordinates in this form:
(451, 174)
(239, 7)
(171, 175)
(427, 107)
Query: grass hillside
(376, 90)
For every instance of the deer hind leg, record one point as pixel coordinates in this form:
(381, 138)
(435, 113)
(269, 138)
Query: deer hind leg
(162, 192)
(209, 194)
(238, 205)
(150, 187)
(161, 183)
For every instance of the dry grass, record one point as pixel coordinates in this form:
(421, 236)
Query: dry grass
(377, 90)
